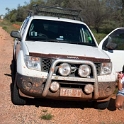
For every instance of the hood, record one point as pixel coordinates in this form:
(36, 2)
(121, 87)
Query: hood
(70, 50)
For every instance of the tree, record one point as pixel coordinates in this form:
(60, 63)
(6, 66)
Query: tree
(94, 12)
(117, 11)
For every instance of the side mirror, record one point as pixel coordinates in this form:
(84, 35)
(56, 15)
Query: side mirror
(15, 34)
(110, 45)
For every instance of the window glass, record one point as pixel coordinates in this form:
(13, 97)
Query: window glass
(118, 38)
(42, 30)
(87, 36)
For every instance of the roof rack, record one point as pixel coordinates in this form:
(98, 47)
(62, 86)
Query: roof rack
(55, 11)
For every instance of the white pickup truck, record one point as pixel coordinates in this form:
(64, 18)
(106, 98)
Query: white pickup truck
(59, 58)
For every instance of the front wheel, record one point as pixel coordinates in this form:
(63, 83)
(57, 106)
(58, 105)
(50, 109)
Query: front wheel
(102, 105)
(16, 98)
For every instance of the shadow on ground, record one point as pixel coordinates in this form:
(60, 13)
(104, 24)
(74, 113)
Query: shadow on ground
(67, 104)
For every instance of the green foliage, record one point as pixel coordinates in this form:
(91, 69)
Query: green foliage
(8, 26)
(13, 18)
(47, 116)
(98, 36)
(4, 27)
(21, 12)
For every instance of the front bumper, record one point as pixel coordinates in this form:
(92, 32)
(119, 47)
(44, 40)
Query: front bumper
(34, 87)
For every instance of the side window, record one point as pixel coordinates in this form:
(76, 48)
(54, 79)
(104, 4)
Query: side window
(36, 29)
(118, 38)
(88, 38)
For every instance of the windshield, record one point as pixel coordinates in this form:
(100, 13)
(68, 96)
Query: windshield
(58, 31)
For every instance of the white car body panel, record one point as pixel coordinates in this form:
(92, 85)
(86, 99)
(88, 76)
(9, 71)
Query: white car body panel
(64, 49)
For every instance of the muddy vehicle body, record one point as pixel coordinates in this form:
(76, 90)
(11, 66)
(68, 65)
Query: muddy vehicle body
(59, 58)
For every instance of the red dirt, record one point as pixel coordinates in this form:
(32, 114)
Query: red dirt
(63, 112)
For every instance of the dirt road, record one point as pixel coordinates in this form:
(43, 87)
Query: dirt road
(62, 112)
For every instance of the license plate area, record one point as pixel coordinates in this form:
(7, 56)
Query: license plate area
(70, 92)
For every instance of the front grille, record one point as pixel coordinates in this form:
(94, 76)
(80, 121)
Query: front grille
(46, 64)
(98, 68)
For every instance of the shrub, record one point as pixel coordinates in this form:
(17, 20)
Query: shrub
(47, 116)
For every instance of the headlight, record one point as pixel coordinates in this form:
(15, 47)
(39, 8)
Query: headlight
(84, 70)
(33, 62)
(64, 69)
(106, 68)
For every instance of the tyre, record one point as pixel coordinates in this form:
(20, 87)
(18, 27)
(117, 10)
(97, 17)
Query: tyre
(13, 65)
(13, 68)
(16, 98)
(102, 105)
